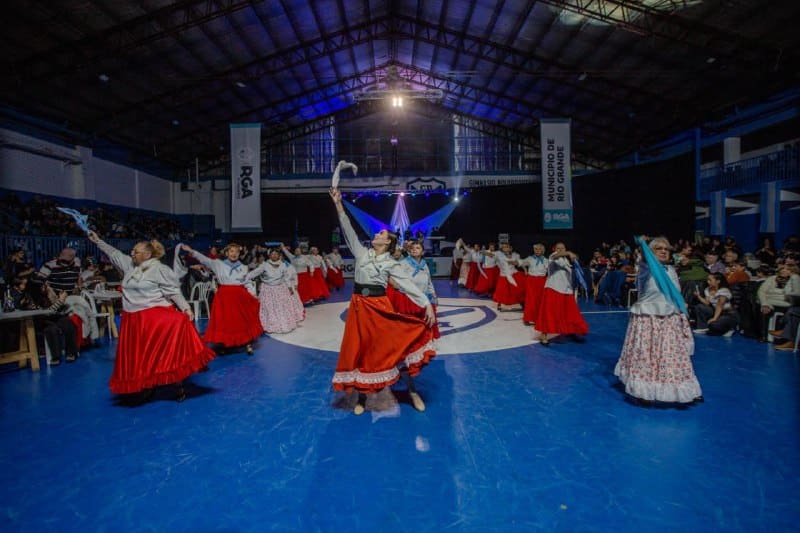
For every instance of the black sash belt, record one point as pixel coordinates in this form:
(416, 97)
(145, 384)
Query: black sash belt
(369, 290)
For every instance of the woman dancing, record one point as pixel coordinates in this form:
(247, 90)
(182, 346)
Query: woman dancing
(378, 342)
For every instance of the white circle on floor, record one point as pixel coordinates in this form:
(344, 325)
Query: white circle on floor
(468, 325)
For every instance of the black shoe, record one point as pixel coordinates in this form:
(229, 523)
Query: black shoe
(55, 362)
(71, 358)
(699, 399)
(578, 339)
(181, 394)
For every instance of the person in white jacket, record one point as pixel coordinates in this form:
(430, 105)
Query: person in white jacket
(158, 345)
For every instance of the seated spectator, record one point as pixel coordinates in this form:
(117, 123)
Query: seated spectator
(692, 277)
(737, 273)
(766, 254)
(729, 258)
(59, 330)
(776, 291)
(715, 312)
(712, 263)
(16, 265)
(62, 273)
(90, 275)
(109, 272)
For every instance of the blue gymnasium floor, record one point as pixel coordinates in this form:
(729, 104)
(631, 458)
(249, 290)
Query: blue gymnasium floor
(521, 439)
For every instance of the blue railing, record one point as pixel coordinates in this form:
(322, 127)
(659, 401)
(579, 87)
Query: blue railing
(751, 173)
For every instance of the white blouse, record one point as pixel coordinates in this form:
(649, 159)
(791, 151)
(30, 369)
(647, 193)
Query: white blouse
(272, 273)
(227, 273)
(536, 265)
(508, 264)
(316, 262)
(149, 284)
(651, 300)
(422, 277)
(334, 261)
(372, 268)
(299, 262)
(559, 277)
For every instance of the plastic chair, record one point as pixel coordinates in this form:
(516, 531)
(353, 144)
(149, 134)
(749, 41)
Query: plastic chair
(89, 297)
(199, 296)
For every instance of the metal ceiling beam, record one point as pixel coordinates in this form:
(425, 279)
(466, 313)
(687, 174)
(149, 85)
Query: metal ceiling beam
(121, 38)
(507, 56)
(344, 88)
(648, 21)
(266, 66)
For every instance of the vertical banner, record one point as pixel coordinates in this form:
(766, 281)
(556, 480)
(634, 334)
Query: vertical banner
(556, 173)
(770, 207)
(246, 177)
(718, 213)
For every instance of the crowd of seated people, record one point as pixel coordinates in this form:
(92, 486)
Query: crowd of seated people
(725, 289)
(40, 217)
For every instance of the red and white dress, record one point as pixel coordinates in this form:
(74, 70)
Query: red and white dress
(510, 288)
(278, 311)
(318, 271)
(558, 312)
(536, 268)
(158, 344)
(656, 359)
(234, 313)
(420, 275)
(377, 339)
(335, 277)
(304, 286)
(475, 268)
(487, 280)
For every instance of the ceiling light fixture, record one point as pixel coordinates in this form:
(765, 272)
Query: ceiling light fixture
(103, 77)
(400, 95)
(241, 84)
(711, 60)
(582, 76)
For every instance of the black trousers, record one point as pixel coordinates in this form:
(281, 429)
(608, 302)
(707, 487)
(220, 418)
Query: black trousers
(61, 335)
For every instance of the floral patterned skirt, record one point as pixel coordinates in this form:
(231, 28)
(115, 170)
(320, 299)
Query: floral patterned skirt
(656, 359)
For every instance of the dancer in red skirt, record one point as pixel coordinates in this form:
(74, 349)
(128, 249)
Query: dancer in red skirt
(234, 314)
(318, 270)
(301, 264)
(487, 281)
(158, 345)
(335, 265)
(475, 266)
(417, 270)
(378, 342)
(536, 267)
(510, 288)
(559, 313)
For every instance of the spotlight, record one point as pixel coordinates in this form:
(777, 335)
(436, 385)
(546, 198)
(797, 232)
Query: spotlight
(397, 101)
(447, 193)
(241, 84)
(456, 199)
(402, 194)
(103, 77)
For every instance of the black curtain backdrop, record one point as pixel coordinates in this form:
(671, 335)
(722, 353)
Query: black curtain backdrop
(655, 199)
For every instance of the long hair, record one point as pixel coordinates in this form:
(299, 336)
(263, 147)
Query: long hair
(392, 242)
(155, 248)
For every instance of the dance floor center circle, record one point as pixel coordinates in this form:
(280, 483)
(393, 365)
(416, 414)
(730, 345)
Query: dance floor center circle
(468, 325)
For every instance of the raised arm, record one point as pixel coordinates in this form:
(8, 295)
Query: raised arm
(120, 260)
(350, 235)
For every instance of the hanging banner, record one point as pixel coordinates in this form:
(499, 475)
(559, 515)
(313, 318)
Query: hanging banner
(246, 177)
(770, 207)
(556, 173)
(718, 213)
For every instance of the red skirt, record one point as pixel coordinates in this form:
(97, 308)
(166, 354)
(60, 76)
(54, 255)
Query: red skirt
(486, 284)
(507, 294)
(376, 341)
(157, 346)
(405, 305)
(304, 287)
(335, 278)
(534, 288)
(319, 287)
(472, 276)
(234, 317)
(558, 313)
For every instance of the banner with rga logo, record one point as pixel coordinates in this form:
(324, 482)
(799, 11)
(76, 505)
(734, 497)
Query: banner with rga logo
(556, 173)
(246, 177)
